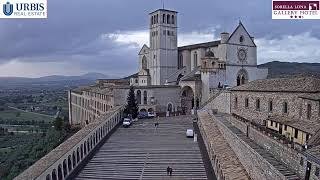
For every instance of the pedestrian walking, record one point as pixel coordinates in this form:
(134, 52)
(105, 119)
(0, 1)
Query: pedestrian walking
(168, 170)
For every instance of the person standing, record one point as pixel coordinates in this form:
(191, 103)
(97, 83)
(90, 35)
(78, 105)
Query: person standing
(168, 170)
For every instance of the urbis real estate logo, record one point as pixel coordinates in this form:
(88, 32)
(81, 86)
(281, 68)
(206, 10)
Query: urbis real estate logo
(294, 9)
(24, 9)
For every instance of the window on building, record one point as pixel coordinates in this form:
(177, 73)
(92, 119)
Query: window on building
(271, 124)
(316, 172)
(308, 111)
(295, 133)
(172, 19)
(246, 102)
(164, 18)
(151, 20)
(236, 102)
(270, 106)
(180, 61)
(241, 39)
(168, 33)
(276, 124)
(285, 107)
(285, 127)
(168, 19)
(145, 97)
(195, 59)
(258, 104)
(136, 80)
(157, 17)
(301, 161)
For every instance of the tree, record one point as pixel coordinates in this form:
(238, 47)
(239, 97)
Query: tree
(58, 124)
(132, 105)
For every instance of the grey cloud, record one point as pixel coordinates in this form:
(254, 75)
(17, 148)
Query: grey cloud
(73, 28)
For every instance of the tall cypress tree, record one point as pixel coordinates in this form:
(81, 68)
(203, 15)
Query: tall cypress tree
(132, 105)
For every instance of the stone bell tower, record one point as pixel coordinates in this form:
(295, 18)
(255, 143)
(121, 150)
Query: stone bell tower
(163, 45)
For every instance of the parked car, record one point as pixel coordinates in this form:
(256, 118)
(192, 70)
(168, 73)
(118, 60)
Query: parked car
(189, 133)
(151, 115)
(127, 122)
(226, 86)
(142, 115)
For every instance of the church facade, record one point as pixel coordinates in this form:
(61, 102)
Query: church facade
(175, 80)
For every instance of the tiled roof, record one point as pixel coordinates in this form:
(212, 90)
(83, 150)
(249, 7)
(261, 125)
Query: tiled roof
(302, 84)
(315, 97)
(229, 163)
(304, 125)
(192, 76)
(201, 45)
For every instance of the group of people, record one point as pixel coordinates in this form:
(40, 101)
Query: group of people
(169, 170)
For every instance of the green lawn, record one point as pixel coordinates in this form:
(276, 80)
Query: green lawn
(14, 115)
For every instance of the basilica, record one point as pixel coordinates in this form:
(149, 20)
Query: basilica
(173, 80)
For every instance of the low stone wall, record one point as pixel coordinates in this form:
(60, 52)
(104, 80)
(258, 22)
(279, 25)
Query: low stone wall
(62, 161)
(256, 166)
(287, 155)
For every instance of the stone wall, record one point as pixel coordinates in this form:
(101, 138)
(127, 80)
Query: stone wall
(287, 155)
(290, 157)
(256, 166)
(258, 114)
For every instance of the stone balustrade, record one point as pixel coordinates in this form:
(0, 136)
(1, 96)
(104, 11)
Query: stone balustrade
(64, 160)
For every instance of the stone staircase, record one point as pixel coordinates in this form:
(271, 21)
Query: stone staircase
(143, 152)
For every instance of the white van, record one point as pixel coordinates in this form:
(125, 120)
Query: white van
(189, 133)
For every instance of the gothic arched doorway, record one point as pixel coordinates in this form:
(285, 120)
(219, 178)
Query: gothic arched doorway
(187, 100)
(242, 77)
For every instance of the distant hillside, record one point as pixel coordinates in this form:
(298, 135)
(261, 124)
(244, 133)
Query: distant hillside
(55, 80)
(285, 69)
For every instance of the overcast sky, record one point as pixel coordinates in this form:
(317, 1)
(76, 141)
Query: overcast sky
(105, 35)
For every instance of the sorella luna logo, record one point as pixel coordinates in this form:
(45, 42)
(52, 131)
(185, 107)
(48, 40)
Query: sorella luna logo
(24, 9)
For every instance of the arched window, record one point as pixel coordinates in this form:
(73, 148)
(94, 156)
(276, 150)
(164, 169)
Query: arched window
(236, 102)
(241, 39)
(164, 18)
(157, 18)
(65, 169)
(145, 97)
(78, 155)
(59, 172)
(195, 59)
(54, 174)
(139, 97)
(285, 107)
(69, 163)
(151, 20)
(243, 80)
(144, 63)
(168, 19)
(180, 62)
(258, 104)
(270, 106)
(242, 77)
(172, 19)
(309, 111)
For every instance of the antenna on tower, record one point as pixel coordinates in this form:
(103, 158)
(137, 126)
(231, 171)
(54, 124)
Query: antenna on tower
(162, 4)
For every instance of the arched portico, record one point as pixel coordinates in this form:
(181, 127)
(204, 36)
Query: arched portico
(187, 100)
